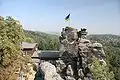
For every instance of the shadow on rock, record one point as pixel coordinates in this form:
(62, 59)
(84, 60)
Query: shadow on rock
(39, 76)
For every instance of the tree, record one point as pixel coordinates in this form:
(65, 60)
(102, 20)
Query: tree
(11, 35)
(101, 71)
(113, 56)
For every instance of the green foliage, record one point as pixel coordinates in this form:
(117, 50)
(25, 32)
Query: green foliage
(111, 44)
(113, 56)
(45, 41)
(11, 35)
(28, 39)
(101, 70)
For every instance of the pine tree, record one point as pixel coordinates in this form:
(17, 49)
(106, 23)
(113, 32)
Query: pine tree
(100, 70)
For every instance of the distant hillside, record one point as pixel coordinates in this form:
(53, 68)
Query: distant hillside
(106, 39)
(53, 33)
(44, 40)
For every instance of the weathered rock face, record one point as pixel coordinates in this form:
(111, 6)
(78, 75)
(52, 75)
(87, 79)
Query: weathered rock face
(49, 71)
(76, 53)
(60, 65)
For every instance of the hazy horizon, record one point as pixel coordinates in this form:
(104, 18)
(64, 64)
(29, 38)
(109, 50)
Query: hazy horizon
(98, 16)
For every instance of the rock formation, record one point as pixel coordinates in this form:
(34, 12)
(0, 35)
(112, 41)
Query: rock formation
(49, 71)
(77, 52)
(76, 57)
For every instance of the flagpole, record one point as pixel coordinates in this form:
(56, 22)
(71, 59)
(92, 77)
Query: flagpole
(69, 20)
(69, 23)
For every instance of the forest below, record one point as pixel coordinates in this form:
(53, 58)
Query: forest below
(111, 45)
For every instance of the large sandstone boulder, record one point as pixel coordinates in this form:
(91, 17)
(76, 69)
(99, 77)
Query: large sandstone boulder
(49, 71)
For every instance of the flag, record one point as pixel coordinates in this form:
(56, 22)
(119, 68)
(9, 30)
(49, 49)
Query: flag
(67, 17)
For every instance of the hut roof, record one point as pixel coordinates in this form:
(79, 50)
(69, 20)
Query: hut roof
(28, 45)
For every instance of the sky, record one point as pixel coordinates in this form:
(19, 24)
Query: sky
(98, 16)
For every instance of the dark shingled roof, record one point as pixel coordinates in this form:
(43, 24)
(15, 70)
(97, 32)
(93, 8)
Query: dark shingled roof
(49, 54)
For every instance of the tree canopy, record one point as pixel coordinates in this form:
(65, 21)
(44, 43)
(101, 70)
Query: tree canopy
(101, 71)
(11, 35)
